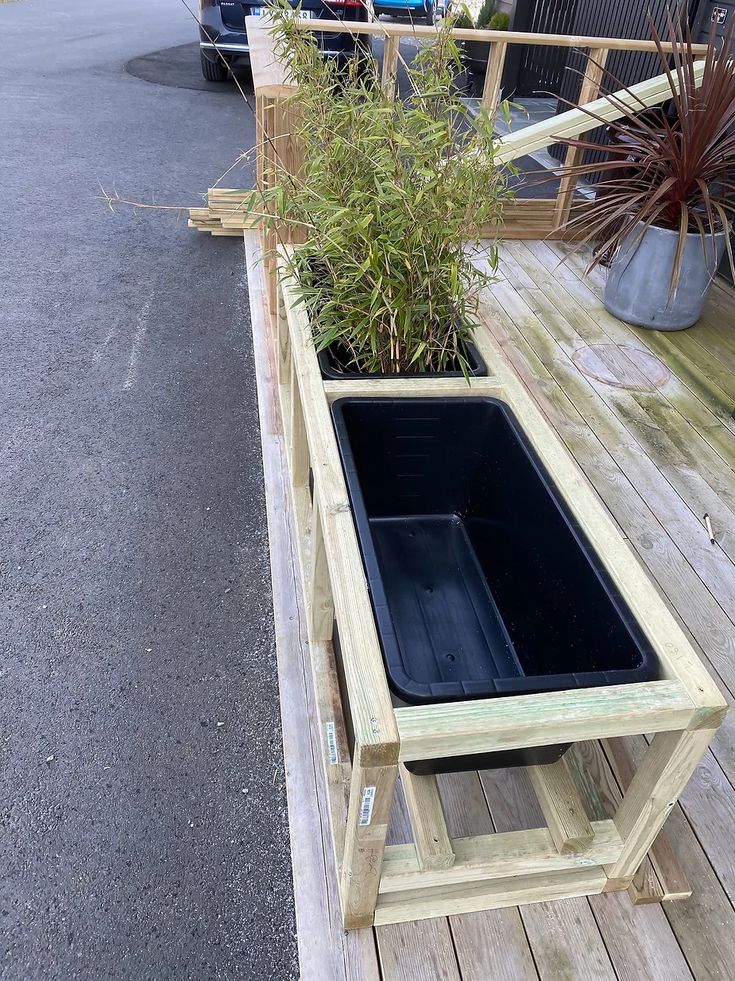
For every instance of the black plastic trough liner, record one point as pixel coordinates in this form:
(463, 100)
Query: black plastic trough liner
(481, 581)
(332, 372)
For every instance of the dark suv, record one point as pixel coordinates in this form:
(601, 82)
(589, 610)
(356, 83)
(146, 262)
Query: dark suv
(222, 28)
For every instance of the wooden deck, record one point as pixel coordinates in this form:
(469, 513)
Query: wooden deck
(649, 419)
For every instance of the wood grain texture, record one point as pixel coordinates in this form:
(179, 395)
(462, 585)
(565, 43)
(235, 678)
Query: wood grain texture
(493, 75)
(432, 847)
(460, 728)
(707, 801)
(373, 721)
(562, 807)
(591, 82)
(564, 936)
(491, 943)
(325, 950)
(383, 29)
(497, 855)
(409, 951)
(475, 896)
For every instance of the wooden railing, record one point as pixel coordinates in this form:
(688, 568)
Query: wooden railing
(500, 41)
(523, 218)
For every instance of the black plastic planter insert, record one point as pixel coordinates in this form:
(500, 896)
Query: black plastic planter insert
(331, 371)
(482, 583)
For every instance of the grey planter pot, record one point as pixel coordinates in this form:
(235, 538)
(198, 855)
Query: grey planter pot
(637, 287)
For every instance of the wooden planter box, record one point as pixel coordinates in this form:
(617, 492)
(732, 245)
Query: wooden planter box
(366, 740)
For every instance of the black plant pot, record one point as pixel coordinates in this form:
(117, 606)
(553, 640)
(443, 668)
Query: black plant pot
(332, 372)
(475, 61)
(481, 581)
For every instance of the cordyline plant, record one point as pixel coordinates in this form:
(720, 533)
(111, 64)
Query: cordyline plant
(389, 195)
(671, 170)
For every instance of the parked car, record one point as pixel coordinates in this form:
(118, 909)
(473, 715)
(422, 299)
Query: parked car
(222, 29)
(415, 9)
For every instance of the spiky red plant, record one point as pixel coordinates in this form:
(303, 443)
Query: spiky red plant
(675, 170)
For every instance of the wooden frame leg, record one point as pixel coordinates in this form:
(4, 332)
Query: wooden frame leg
(429, 826)
(665, 770)
(321, 607)
(561, 806)
(300, 462)
(283, 347)
(390, 65)
(371, 801)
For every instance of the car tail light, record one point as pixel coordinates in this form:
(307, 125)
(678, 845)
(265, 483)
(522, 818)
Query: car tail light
(344, 3)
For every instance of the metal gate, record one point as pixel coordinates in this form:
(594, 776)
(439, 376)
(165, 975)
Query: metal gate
(625, 18)
(541, 69)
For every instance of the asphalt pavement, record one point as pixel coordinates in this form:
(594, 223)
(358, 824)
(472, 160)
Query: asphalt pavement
(144, 831)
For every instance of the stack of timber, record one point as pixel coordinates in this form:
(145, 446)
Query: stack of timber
(225, 214)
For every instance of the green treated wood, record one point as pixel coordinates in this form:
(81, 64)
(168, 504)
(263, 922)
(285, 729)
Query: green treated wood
(456, 728)
(598, 443)
(496, 856)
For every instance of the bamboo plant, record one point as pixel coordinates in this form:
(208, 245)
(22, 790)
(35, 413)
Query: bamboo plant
(391, 200)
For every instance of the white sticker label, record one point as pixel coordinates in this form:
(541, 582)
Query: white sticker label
(332, 743)
(366, 808)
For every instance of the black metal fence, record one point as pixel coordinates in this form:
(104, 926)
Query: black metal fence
(541, 69)
(558, 71)
(625, 18)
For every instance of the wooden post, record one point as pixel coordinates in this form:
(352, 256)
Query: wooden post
(660, 877)
(390, 65)
(299, 457)
(299, 446)
(433, 847)
(321, 606)
(665, 770)
(494, 75)
(284, 342)
(561, 805)
(590, 90)
(284, 346)
(280, 155)
(371, 801)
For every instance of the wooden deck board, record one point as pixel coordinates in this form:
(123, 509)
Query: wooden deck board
(658, 457)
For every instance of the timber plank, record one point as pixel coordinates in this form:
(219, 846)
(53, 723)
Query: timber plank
(511, 797)
(704, 406)
(325, 950)
(564, 938)
(709, 622)
(564, 811)
(423, 949)
(491, 943)
(639, 939)
(705, 923)
(406, 950)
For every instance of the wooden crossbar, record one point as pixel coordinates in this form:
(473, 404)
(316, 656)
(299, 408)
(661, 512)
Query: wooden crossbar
(381, 29)
(574, 122)
(498, 856)
(470, 897)
(490, 725)
(559, 800)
